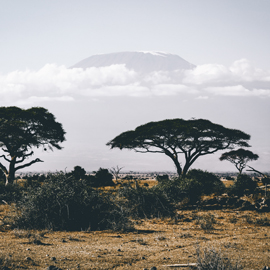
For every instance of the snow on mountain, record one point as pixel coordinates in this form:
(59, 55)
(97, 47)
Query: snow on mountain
(141, 62)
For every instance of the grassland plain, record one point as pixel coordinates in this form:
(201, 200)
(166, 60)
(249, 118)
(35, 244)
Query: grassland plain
(241, 236)
(155, 242)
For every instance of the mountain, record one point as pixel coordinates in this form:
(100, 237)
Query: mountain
(142, 62)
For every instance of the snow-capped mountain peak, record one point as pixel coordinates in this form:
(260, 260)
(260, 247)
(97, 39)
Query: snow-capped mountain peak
(141, 62)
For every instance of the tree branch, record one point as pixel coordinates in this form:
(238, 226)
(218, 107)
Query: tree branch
(147, 151)
(28, 164)
(25, 156)
(3, 168)
(253, 170)
(6, 159)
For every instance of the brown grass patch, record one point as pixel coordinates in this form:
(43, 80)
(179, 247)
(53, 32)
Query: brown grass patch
(155, 242)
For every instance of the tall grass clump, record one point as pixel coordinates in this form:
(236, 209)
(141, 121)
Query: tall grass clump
(206, 222)
(210, 259)
(65, 203)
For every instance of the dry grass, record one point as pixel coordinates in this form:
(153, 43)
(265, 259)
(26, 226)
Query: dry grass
(237, 234)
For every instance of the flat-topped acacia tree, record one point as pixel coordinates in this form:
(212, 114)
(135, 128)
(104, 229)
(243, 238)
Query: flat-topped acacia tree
(22, 130)
(192, 138)
(239, 158)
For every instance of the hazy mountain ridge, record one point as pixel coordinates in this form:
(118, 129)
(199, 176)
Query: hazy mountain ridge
(141, 62)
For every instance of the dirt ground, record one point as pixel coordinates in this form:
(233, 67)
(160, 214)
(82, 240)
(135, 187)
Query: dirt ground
(156, 242)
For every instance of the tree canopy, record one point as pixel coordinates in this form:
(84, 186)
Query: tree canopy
(22, 130)
(239, 158)
(192, 138)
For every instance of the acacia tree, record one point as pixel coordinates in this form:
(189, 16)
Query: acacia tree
(192, 138)
(239, 158)
(22, 130)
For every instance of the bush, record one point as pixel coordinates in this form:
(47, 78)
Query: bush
(144, 202)
(163, 177)
(101, 178)
(210, 183)
(206, 222)
(64, 203)
(171, 189)
(244, 185)
(10, 193)
(180, 189)
(192, 187)
(78, 172)
(34, 180)
(209, 258)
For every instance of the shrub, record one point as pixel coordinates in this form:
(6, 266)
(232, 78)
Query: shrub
(206, 222)
(192, 189)
(163, 177)
(101, 178)
(104, 177)
(34, 180)
(209, 258)
(64, 203)
(263, 221)
(210, 183)
(10, 193)
(144, 202)
(171, 189)
(78, 172)
(244, 185)
(180, 189)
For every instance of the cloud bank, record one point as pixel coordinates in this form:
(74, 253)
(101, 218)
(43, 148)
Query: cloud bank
(59, 83)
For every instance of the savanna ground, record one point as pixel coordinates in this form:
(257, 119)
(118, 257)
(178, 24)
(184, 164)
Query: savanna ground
(240, 236)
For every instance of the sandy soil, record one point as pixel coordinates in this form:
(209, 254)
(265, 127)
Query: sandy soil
(155, 242)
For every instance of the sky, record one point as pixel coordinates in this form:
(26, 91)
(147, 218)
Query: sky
(227, 40)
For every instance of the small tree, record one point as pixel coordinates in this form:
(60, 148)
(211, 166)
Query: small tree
(192, 138)
(104, 177)
(239, 158)
(115, 171)
(101, 178)
(78, 172)
(22, 130)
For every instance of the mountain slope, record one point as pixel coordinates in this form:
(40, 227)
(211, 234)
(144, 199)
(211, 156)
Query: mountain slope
(142, 62)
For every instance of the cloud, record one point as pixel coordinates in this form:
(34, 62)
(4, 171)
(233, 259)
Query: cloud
(35, 100)
(172, 90)
(58, 83)
(237, 90)
(116, 90)
(209, 73)
(242, 70)
(202, 97)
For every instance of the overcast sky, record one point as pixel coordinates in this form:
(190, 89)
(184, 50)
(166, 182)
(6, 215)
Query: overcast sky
(227, 40)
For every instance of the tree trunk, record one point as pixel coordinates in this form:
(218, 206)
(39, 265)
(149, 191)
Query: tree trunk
(11, 172)
(189, 162)
(186, 167)
(176, 163)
